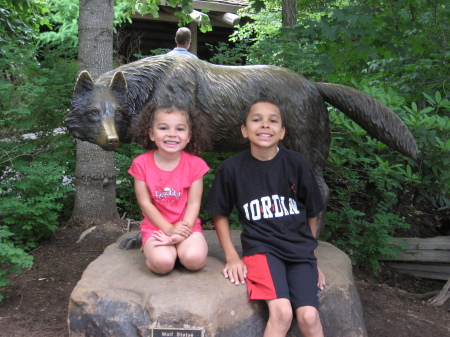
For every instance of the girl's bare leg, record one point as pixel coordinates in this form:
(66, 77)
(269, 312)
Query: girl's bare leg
(193, 251)
(280, 318)
(309, 321)
(161, 259)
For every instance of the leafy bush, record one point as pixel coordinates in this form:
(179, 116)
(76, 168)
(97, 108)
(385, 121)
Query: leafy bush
(35, 186)
(431, 129)
(403, 42)
(126, 197)
(359, 217)
(266, 43)
(367, 179)
(32, 200)
(214, 160)
(227, 54)
(12, 258)
(36, 192)
(428, 176)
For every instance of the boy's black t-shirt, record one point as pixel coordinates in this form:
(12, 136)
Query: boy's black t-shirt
(274, 199)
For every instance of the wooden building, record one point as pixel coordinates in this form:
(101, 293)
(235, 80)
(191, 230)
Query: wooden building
(147, 33)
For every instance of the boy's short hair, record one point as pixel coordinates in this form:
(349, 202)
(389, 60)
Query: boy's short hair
(262, 100)
(183, 35)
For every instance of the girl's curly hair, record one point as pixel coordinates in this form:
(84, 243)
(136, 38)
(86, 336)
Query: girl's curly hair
(197, 123)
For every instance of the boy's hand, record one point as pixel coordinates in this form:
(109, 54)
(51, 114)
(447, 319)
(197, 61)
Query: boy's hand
(321, 282)
(236, 271)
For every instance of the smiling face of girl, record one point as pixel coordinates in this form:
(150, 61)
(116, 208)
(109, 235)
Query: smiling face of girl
(170, 130)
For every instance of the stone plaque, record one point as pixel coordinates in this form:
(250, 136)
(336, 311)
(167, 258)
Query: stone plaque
(169, 332)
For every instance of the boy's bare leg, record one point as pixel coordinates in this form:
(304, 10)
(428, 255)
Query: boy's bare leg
(309, 321)
(160, 260)
(280, 317)
(193, 251)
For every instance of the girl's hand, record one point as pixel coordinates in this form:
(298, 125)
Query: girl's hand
(162, 239)
(321, 282)
(181, 228)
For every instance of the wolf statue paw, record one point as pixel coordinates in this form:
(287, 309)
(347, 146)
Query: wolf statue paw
(133, 242)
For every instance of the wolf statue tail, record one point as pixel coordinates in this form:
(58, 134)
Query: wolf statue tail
(377, 119)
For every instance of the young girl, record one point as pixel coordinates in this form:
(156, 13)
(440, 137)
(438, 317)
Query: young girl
(169, 183)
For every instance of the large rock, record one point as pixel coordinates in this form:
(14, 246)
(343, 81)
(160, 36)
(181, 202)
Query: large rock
(118, 296)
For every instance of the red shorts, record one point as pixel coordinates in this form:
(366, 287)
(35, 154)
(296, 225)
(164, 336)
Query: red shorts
(147, 231)
(270, 277)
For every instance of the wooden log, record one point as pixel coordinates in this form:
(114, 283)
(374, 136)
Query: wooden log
(443, 296)
(422, 256)
(227, 18)
(425, 258)
(435, 271)
(435, 243)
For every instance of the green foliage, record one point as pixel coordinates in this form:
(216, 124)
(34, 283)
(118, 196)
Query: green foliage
(367, 179)
(126, 197)
(36, 192)
(267, 43)
(214, 160)
(364, 237)
(229, 55)
(398, 44)
(12, 258)
(63, 21)
(429, 176)
(20, 20)
(32, 199)
(35, 157)
(363, 193)
(403, 43)
(431, 129)
(184, 16)
(63, 18)
(157, 51)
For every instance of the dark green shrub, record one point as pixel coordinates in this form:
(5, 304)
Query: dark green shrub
(35, 184)
(126, 197)
(360, 218)
(213, 160)
(12, 258)
(368, 180)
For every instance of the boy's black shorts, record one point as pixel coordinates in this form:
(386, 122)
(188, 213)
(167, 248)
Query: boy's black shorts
(270, 277)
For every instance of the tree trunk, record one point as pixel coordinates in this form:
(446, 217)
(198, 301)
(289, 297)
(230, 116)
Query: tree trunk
(95, 176)
(289, 12)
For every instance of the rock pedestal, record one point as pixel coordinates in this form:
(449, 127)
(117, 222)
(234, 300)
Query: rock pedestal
(118, 296)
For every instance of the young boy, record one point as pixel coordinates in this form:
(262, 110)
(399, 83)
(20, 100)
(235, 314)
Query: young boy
(277, 199)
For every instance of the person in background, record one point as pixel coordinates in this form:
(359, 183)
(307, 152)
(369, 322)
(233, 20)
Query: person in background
(183, 41)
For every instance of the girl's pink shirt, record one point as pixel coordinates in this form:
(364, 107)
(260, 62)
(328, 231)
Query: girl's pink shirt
(168, 189)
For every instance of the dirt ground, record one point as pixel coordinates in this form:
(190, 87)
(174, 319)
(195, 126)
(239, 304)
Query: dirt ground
(36, 301)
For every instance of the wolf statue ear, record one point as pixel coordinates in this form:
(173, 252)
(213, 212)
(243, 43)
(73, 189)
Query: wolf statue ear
(84, 83)
(119, 83)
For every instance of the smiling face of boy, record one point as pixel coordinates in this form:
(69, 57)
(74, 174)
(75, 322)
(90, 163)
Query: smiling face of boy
(264, 129)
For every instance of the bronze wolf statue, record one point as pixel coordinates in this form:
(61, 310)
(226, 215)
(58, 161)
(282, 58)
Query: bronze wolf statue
(102, 111)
